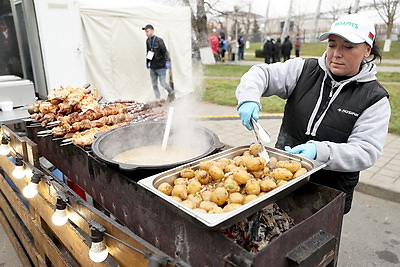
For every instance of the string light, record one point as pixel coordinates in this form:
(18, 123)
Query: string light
(98, 251)
(4, 148)
(19, 170)
(31, 189)
(60, 216)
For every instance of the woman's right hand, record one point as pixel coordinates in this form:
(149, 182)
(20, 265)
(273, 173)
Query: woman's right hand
(247, 111)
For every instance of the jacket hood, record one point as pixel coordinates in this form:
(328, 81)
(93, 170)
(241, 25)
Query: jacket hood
(366, 74)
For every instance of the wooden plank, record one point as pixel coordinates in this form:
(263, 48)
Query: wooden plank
(32, 152)
(67, 235)
(17, 142)
(14, 241)
(20, 231)
(121, 253)
(37, 232)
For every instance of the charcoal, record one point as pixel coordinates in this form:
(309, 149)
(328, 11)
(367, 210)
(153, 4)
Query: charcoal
(255, 232)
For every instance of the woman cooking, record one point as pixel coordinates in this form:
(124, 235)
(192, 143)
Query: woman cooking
(336, 110)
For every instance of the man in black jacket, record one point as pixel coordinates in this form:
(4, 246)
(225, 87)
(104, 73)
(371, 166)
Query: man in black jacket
(157, 60)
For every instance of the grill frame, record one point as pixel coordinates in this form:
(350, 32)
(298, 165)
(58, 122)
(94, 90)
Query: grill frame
(147, 216)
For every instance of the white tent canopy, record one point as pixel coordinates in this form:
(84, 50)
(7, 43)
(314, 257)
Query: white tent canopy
(115, 51)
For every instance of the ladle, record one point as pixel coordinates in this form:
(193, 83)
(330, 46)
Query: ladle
(167, 128)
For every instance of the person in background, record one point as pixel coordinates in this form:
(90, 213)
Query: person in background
(336, 111)
(241, 43)
(278, 48)
(157, 60)
(297, 46)
(268, 52)
(214, 43)
(223, 48)
(286, 48)
(234, 51)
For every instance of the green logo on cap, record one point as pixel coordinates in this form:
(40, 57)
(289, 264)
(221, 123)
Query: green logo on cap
(346, 23)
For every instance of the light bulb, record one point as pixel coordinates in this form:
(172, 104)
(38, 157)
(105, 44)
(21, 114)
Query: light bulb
(60, 216)
(4, 149)
(98, 251)
(31, 189)
(18, 172)
(28, 173)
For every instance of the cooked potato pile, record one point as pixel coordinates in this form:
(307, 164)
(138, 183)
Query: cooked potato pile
(226, 184)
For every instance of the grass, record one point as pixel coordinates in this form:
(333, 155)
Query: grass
(222, 91)
(394, 91)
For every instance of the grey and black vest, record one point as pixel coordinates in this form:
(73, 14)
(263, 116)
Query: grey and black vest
(337, 124)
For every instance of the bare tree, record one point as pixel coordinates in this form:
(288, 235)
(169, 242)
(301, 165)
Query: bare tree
(387, 11)
(199, 21)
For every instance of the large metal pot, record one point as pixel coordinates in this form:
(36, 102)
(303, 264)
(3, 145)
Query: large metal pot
(118, 140)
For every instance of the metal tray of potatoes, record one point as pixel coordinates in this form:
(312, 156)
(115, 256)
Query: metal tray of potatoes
(226, 219)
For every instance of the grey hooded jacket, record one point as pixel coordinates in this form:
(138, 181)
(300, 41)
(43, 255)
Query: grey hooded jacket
(365, 144)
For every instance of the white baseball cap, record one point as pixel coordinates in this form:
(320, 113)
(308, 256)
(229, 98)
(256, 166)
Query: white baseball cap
(355, 28)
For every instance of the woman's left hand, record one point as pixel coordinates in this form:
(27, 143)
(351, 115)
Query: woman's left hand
(307, 150)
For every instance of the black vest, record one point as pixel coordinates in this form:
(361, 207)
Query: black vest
(337, 124)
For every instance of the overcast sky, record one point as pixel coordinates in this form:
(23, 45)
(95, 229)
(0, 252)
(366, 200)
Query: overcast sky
(280, 8)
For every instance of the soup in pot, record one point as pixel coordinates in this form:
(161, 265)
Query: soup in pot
(154, 155)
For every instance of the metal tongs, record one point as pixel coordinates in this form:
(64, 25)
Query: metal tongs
(260, 136)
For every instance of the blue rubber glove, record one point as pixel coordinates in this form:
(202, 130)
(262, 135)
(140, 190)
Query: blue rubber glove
(167, 65)
(307, 150)
(248, 110)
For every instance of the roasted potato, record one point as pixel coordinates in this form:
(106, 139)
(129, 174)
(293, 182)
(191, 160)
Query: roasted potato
(215, 172)
(291, 165)
(187, 173)
(204, 165)
(231, 207)
(255, 149)
(166, 188)
(206, 195)
(258, 174)
(224, 162)
(254, 164)
(282, 174)
(272, 162)
(216, 210)
(176, 198)
(252, 187)
(202, 176)
(249, 198)
(241, 176)
(194, 186)
(188, 204)
(179, 191)
(280, 182)
(267, 185)
(235, 198)
(219, 196)
(230, 167)
(231, 185)
(207, 205)
(195, 198)
(181, 181)
(300, 172)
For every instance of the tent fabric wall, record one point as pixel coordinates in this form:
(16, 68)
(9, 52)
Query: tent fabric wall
(115, 50)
